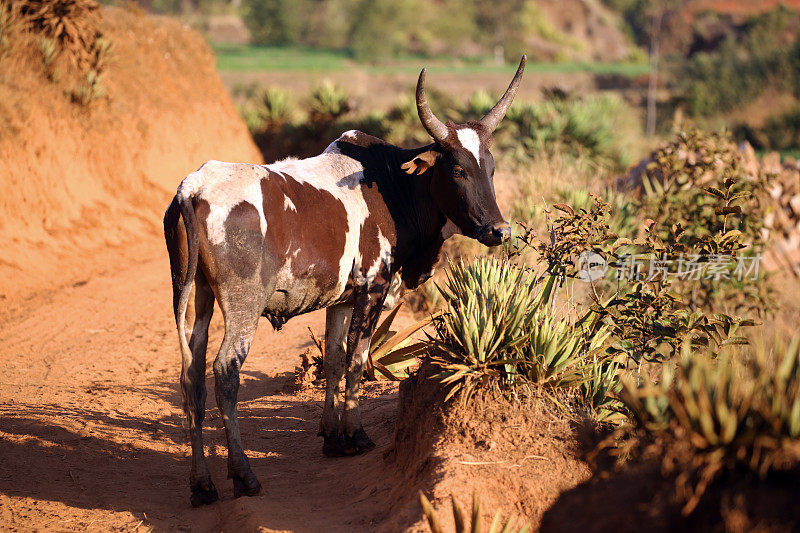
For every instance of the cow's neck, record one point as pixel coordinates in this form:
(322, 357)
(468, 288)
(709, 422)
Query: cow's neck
(420, 233)
(417, 220)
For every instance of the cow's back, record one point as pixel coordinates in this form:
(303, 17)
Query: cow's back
(291, 227)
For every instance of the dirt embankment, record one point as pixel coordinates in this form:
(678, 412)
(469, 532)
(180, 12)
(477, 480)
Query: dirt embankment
(518, 459)
(83, 185)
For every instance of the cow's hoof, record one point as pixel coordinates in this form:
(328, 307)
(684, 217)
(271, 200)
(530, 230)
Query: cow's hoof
(246, 485)
(333, 446)
(204, 493)
(361, 441)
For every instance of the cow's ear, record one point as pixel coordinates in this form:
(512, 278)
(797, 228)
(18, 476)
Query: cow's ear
(421, 162)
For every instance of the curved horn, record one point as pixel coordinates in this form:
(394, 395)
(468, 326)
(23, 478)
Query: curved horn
(496, 114)
(432, 125)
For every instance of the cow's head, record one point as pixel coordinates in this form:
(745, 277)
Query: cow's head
(462, 182)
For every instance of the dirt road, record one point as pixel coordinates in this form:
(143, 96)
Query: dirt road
(91, 434)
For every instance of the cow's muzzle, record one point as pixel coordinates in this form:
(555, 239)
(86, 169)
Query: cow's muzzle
(495, 234)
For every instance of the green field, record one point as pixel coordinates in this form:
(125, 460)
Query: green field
(250, 58)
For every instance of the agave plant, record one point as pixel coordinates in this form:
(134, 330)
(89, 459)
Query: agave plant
(600, 386)
(557, 353)
(328, 102)
(489, 302)
(730, 414)
(391, 353)
(495, 328)
(476, 524)
(783, 383)
(274, 107)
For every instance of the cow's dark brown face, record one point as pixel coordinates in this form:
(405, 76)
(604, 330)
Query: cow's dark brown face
(463, 184)
(463, 167)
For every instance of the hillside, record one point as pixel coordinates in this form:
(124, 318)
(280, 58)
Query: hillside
(82, 182)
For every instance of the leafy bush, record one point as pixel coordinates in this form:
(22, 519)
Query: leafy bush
(741, 68)
(273, 21)
(706, 218)
(622, 211)
(702, 202)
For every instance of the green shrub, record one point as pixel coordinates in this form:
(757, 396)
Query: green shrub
(704, 213)
(327, 103)
(274, 21)
(701, 201)
(743, 66)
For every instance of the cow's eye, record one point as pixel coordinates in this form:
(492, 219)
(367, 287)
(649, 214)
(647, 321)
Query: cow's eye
(459, 172)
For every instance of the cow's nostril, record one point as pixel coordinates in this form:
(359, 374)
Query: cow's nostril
(502, 231)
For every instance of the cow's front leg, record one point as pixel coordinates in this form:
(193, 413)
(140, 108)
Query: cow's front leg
(366, 311)
(337, 322)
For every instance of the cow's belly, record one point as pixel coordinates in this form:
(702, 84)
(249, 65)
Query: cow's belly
(307, 280)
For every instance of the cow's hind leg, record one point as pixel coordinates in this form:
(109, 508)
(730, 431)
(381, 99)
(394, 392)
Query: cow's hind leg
(193, 387)
(240, 327)
(337, 321)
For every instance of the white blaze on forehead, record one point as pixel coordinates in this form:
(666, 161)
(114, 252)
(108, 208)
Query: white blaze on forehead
(288, 204)
(470, 141)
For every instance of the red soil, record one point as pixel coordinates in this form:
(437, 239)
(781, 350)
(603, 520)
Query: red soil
(79, 182)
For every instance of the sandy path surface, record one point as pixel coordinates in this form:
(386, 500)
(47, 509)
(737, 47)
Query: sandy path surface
(91, 434)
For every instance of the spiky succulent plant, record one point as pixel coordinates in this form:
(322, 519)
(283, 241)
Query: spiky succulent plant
(496, 328)
(476, 524)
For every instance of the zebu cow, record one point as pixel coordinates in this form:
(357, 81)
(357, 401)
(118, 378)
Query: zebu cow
(329, 232)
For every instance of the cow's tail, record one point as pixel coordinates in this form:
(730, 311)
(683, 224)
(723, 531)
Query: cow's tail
(182, 288)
